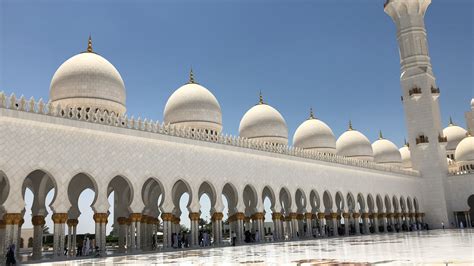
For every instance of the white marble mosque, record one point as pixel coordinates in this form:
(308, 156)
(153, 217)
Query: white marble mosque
(82, 138)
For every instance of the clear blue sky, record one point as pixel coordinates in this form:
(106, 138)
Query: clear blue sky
(339, 57)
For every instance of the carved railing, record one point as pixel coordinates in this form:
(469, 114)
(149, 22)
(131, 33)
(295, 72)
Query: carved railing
(414, 91)
(123, 121)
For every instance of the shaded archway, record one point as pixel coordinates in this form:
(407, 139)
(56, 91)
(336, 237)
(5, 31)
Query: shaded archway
(470, 203)
(39, 191)
(120, 195)
(207, 202)
(82, 193)
(269, 200)
(230, 198)
(153, 195)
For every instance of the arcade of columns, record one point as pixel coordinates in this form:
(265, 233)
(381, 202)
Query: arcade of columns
(138, 232)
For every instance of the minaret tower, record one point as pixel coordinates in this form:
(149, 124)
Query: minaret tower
(420, 102)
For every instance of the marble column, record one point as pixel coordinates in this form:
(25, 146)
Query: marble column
(100, 235)
(37, 221)
(391, 221)
(59, 220)
(322, 224)
(72, 240)
(468, 219)
(194, 219)
(365, 221)
(383, 218)
(122, 233)
(347, 223)
(136, 230)
(240, 216)
(167, 227)
(12, 220)
(356, 217)
(258, 221)
(309, 224)
(129, 235)
(143, 232)
(300, 218)
(276, 217)
(334, 217)
(20, 224)
(247, 225)
(375, 217)
(2, 238)
(217, 227)
(293, 225)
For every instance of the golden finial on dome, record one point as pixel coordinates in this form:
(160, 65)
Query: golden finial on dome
(311, 115)
(350, 125)
(451, 121)
(380, 134)
(89, 44)
(260, 101)
(191, 76)
(406, 143)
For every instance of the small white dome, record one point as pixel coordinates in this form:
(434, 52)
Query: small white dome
(314, 134)
(354, 144)
(385, 152)
(454, 134)
(264, 123)
(465, 150)
(472, 104)
(193, 106)
(88, 80)
(406, 156)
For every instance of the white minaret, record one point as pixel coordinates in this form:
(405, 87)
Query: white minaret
(420, 102)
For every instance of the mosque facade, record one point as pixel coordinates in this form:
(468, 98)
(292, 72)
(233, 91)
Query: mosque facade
(82, 139)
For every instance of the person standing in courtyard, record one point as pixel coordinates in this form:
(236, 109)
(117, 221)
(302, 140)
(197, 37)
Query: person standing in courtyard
(11, 255)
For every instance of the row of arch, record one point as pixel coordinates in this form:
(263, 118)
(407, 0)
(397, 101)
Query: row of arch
(158, 199)
(153, 193)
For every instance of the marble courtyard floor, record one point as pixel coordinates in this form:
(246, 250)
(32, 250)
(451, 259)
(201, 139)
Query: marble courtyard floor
(436, 247)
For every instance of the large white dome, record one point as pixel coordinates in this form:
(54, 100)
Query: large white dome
(314, 134)
(465, 151)
(264, 123)
(88, 80)
(406, 156)
(193, 106)
(354, 144)
(386, 152)
(454, 134)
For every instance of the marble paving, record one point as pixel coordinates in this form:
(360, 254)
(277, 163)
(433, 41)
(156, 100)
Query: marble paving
(436, 247)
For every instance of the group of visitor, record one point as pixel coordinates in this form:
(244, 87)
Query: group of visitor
(204, 239)
(251, 237)
(180, 240)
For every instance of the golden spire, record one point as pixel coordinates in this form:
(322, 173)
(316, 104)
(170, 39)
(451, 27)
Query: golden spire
(451, 121)
(260, 101)
(380, 134)
(311, 115)
(191, 76)
(350, 125)
(406, 143)
(89, 45)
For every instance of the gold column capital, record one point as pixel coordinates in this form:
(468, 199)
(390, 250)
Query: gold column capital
(365, 215)
(167, 216)
(346, 215)
(59, 218)
(100, 217)
(321, 215)
(300, 216)
(308, 215)
(239, 215)
(2, 224)
(194, 216)
(12, 218)
(356, 215)
(293, 215)
(258, 216)
(276, 216)
(122, 220)
(217, 216)
(135, 217)
(72, 222)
